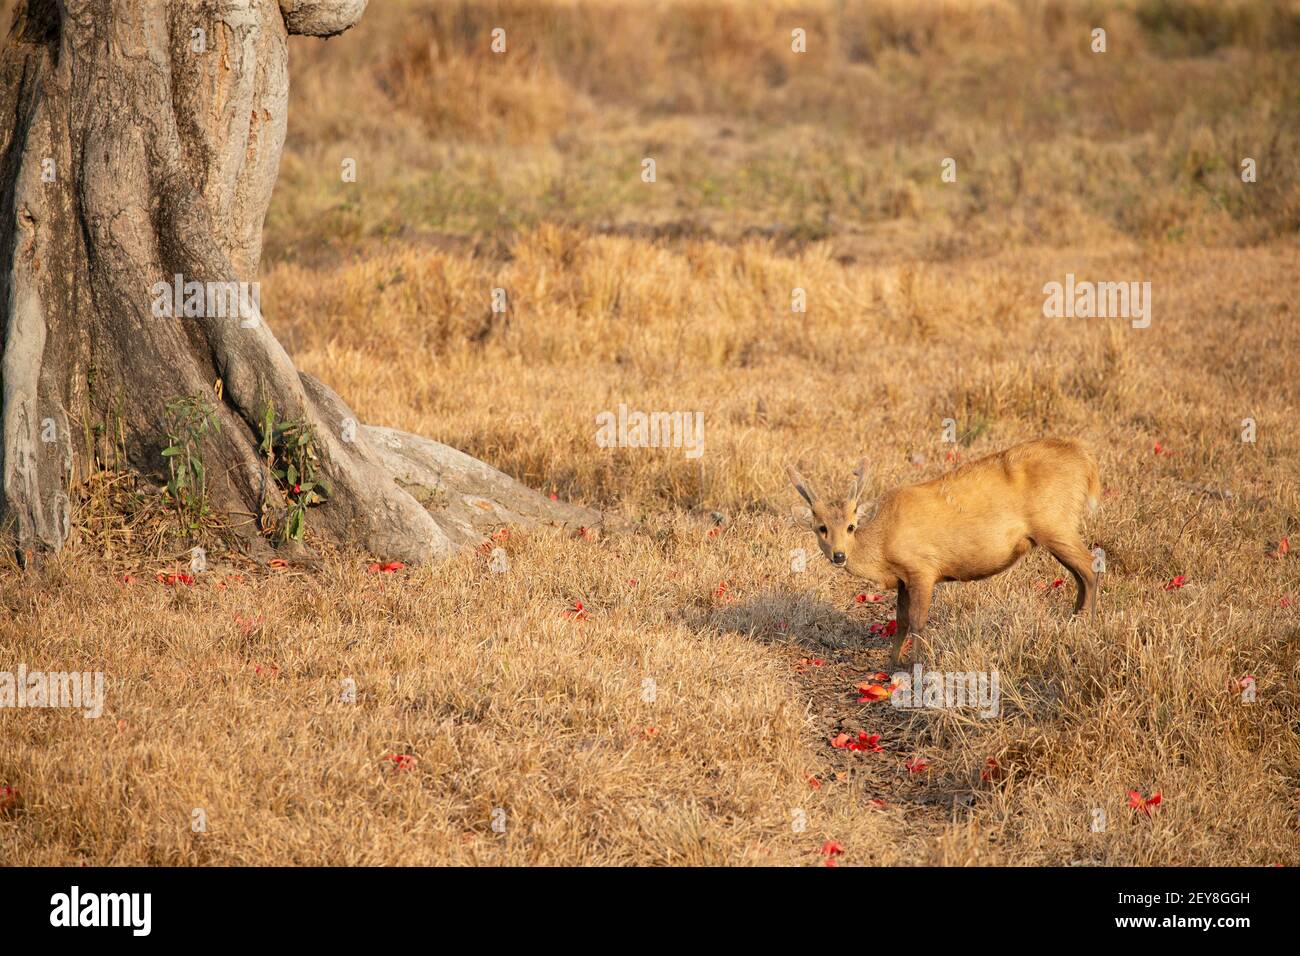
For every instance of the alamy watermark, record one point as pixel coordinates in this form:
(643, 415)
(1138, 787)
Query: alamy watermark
(208, 300)
(1098, 300)
(634, 429)
(74, 689)
(947, 690)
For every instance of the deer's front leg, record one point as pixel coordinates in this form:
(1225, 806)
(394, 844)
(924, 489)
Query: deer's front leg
(904, 617)
(919, 591)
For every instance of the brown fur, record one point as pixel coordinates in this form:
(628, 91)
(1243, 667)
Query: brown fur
(969, 524)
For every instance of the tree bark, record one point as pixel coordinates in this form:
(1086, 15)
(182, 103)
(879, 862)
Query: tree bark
(140, 141)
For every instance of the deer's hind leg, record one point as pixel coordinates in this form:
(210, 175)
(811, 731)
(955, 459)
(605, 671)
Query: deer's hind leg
(1078, 561)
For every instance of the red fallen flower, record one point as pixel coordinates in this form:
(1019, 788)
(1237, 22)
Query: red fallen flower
(401, 762)
(1176, 583)
(588, 534)
(952, 456)
(277, 563)
(651, 732)
(130, 579)
(721, 591)
(864, 598)
(889, 630)
(1138, 802)
(991, 770)
(387, 568)
(554, 496)
(577, 612)
(811, 661)
(867, 744)
(832, 848)
(880, 675)
(1161, 449)
(502, 535)
(814, 782)
(879, 803)
(1285, 602)
(917, 764)
(272, 671)
(874, 692)
(830, 861)
(714, 532)
(1283, 549)
(175, 579)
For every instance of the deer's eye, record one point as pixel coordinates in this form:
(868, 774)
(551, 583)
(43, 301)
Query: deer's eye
(822, 529)
(850, 529)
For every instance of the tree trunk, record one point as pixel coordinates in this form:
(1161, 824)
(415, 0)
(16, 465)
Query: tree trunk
(139, 142)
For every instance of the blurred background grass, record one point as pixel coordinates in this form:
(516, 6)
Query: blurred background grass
(1054, 144)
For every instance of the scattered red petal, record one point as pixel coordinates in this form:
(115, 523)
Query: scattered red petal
(401, 762)
(832, 848)
(1283, 549)
(1137, 802)
(814, 782)
(387, 568)
(840, 741)
(865, 598)
(1176, 583)
(877, 802)
(577, 612)
(874, 692)
(917, 764)
(991, 770)
(867, 744)
(174, 579)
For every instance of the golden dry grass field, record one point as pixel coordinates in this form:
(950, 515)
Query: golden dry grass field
(482, 698)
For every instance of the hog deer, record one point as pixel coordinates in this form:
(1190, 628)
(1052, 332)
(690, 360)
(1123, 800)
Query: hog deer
(969, 524)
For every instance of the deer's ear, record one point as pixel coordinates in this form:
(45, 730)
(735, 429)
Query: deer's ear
(865, 510)
(859, 481)
(802, 514)
(800, 484)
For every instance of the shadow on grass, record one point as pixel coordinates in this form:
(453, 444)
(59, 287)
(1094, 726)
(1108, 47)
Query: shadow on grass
(782, 615)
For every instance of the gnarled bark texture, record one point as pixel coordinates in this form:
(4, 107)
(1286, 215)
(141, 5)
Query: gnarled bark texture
(140, 140)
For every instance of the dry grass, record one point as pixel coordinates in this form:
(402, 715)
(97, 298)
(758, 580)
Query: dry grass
(924, 303)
